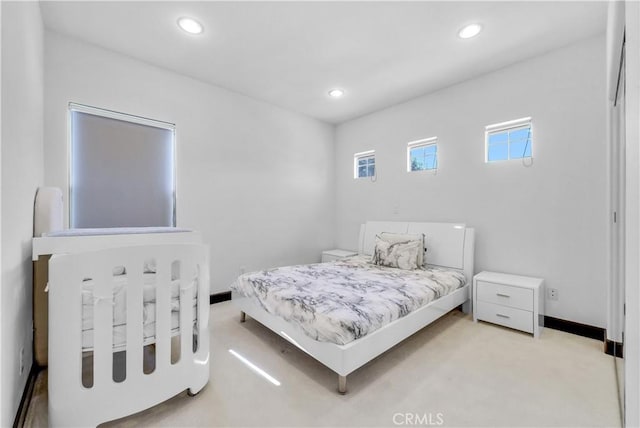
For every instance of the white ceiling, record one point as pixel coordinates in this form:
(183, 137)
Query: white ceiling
(291, 53)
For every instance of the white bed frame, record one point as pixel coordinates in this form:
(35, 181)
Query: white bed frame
(449, 245)
(71, 403)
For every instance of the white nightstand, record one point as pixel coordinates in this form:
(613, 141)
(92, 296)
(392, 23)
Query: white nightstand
(509, 300)
(331, 255)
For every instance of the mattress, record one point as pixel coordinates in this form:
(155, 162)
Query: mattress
(344, 300)
(120, 308)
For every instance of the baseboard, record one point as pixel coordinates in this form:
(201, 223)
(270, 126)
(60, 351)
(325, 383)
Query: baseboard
(219, 297)
(614, 348)
(575, 328)
(21, 415)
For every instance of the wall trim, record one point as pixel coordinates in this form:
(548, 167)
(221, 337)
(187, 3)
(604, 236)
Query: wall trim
(21, 415)
(615, 349)
(575, 328)
(219, 297)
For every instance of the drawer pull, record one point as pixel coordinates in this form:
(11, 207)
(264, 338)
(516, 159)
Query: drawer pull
(503, 316)
(502, 295)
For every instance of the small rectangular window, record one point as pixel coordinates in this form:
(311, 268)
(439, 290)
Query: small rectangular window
(422, 155)
(364, 164)
(508, 140)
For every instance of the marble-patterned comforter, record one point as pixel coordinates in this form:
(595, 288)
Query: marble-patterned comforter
(344, 300)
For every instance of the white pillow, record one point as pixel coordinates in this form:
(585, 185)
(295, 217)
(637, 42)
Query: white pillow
(402, 255)
(395, 238)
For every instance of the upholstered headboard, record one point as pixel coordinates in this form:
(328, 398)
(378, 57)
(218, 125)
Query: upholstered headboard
(47, 212)
(448, 244)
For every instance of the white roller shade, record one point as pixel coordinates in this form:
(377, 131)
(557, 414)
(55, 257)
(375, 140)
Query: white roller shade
(122, 170)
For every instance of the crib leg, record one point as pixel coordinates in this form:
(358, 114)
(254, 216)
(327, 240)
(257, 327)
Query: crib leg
(191, 393)
(342, 384)
(243, 316)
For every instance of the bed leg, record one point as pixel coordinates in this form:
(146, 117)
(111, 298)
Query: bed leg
(342, 384)
(243, 316)
(466, 307)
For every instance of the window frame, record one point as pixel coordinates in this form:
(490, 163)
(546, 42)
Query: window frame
(509, 126)
(369, 154)
(425, 142)
(111, 114)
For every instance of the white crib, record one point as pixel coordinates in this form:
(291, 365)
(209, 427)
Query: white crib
(121, 383)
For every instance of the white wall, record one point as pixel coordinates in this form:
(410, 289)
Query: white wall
(1, 347)
(255, 179)
(546, 220)
(632, 232)
(22, 160)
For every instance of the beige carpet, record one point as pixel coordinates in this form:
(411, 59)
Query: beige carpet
(454, 371)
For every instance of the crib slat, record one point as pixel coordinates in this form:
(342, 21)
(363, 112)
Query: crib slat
(186, 307)
(135, 336)
(203, 302)
(163, 312)
(102, 326)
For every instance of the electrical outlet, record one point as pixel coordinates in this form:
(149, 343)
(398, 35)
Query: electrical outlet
(552, 293)
(21, 361)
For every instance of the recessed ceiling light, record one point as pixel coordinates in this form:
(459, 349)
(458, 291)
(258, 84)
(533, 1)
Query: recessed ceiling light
(190, 25)
(469, 31)
(336, 93)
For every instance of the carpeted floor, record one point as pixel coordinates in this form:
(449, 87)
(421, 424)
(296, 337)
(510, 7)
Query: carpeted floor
(455, 371)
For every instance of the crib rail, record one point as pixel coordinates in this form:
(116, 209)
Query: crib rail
(71, 402)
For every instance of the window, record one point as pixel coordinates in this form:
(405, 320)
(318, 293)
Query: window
(364, 164)
(422, 155)
(122, 170)
(508, 140)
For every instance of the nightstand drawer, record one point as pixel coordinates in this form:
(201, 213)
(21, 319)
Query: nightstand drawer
(506, 295)
(506, 316)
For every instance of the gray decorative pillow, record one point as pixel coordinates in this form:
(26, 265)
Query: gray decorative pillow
(402, 255)
(395, 238)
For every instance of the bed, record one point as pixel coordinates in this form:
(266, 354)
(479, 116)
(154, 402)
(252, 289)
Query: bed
(345, 313)
(120, 315)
